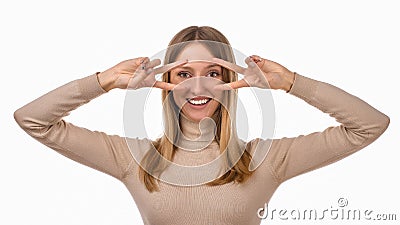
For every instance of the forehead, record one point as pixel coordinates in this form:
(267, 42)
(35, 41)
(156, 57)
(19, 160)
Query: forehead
(195, 51)
(197, 66)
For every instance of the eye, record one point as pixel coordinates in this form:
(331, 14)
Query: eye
(183, 74)
(213, 74)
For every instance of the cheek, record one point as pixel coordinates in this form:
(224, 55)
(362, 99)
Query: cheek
(179, 95)
(174, 78)
(214, 104)
(179, 100)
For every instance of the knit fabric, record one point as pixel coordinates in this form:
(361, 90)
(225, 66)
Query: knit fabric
(232, 203)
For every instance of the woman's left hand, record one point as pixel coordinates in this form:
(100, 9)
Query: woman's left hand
(261, 73)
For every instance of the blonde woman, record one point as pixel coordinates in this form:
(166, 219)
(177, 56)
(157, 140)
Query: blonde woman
(233, 196)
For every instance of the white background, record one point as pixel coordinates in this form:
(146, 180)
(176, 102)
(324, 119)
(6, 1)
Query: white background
(44, 44)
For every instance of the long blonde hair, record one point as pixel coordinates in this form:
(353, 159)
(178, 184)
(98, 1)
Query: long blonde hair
(226, 135)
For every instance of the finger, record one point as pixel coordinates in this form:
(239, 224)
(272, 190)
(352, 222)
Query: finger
(147, 65)
(256, 58)
(153, 63)
(132, 63)
(164, 85)
(223, 87)
(239, 84)
(259, 61)
(140, 60)
(168, 67)
(232, 85)
(250, 62)
(229, 65)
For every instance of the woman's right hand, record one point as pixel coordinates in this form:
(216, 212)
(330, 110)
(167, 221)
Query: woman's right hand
(136, 73)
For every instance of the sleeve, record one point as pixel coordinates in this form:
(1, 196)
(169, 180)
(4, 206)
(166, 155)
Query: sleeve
(360, 125)
(43, 120)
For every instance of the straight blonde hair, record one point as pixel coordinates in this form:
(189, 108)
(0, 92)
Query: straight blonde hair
(226, 134)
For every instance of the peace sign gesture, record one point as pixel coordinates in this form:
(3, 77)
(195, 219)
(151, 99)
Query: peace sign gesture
(144, 76)
(261, 73)
(136, 73)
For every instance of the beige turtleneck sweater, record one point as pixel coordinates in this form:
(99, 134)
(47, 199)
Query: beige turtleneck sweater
(360, 124)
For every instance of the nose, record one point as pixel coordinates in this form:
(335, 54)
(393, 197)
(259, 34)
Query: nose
(197, 86)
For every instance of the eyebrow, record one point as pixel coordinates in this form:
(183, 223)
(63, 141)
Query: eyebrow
(188, 67)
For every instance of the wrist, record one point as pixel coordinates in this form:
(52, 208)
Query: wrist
(288, 81)
(106, 80)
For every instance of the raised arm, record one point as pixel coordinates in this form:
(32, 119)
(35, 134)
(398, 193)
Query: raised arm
(43, 118)
(360, 123)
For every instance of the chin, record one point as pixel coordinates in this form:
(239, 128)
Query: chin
(197, 117)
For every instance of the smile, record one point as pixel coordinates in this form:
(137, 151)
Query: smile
(199, 100)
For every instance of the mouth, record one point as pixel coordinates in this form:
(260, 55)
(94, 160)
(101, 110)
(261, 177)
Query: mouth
(198, 100)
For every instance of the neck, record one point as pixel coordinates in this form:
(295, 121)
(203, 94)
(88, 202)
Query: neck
(197, 135)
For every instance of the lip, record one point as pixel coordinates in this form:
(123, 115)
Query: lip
(198, 98)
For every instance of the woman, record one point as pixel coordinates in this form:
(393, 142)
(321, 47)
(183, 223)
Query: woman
(232, 196)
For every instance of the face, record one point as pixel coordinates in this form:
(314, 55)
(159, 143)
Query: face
(196, 78)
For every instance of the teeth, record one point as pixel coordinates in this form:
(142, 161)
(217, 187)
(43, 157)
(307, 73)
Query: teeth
(199, 102)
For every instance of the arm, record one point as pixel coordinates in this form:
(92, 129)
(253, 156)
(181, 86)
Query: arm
(43, 117)
(360, 125)
(43, 120)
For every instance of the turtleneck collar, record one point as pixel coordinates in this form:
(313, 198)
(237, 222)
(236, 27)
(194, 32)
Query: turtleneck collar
(197, 135)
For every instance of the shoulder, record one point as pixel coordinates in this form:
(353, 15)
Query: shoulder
(138, 146)
(268, 150)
